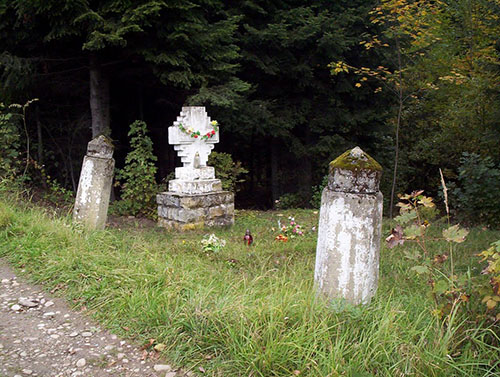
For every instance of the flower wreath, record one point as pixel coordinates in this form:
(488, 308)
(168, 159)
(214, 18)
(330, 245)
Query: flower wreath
(196, 134)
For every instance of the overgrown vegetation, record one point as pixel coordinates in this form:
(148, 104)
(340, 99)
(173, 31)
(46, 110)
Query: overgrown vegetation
(251, 310)
(228, 171)
(476, 190)
(137, 178)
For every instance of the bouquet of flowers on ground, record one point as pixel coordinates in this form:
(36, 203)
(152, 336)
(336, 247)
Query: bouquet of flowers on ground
(289, 230)
(212, 244)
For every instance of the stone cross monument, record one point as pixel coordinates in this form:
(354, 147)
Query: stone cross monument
(348, 248)
(195, 198)
(94, 187)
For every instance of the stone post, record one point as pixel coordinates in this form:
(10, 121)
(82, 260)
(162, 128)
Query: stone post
(94, 188)
(350, 220)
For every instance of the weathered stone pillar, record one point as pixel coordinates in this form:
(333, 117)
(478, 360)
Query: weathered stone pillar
(94, 188)
(348, 249)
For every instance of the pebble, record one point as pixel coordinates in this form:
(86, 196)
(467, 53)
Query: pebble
(109, 348)
(171, 374)
(73, 334)
(81, 363)
(5, 281)
(15, 307)
(120, 356)
(49, 314)
(162, 368)
(86, 334)
(27, 303)
(27, 371)
(48, 304)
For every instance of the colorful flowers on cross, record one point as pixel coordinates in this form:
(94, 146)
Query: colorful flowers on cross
(197, 134)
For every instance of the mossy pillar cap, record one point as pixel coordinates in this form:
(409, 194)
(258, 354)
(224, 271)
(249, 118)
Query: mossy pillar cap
(101, 147)
(355, 172)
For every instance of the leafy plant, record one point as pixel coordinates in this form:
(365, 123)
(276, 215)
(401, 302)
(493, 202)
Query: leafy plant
(138, 175)
(491, 293)
(292, 200)
(447, 288)
(476, 192)
(11, 142)
(227, 170)
(317, 191)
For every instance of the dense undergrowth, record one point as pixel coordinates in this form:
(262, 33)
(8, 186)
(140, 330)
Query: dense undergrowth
(251, 311)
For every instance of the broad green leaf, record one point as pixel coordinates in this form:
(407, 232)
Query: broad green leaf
(420, 269)
(406, 217)
(441, 286)
(455, 234)
(426, 201)
(414, 231)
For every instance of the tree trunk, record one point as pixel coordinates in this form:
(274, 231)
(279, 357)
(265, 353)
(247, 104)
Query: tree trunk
(275, 187)
(99, 99)
(398, 125)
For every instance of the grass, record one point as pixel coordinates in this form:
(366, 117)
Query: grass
(251, 311)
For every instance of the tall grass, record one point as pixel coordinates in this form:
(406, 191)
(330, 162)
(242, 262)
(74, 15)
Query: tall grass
(249, 311)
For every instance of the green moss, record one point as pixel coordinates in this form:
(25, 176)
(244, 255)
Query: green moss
(348, 162)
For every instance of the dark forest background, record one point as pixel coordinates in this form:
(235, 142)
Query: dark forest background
(426, 83)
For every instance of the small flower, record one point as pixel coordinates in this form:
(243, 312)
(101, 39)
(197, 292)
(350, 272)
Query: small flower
(214, 123)
(195, 136)
(213, 132)
(189, 130)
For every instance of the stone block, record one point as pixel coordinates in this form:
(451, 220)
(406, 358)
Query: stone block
(190, 173)
(212, 209)
(195, 186)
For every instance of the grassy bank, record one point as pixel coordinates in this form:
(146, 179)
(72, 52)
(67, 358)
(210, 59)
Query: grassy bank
(250, 311)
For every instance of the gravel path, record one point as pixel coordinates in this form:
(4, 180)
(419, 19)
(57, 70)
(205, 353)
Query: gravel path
(41, 336)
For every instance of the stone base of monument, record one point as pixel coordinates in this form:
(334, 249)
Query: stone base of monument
(185, 211)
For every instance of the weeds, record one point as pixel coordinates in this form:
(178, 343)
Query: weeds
(256, 316)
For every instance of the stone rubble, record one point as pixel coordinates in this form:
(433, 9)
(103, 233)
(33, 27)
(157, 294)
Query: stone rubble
(62, 343)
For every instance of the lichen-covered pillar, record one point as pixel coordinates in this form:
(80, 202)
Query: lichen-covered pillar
(94, 188)
(350, 220)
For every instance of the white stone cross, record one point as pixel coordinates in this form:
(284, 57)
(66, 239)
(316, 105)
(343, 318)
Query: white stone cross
(189, 145)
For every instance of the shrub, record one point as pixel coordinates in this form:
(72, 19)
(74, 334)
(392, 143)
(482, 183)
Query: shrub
(227, 170)
(11, 142)
(317, 191)
(138, 175)
(476, 192)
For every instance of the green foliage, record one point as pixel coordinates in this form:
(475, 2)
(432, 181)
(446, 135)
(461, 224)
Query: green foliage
(492, 292)
(292, 200)
(317, 191)
(10, 139)
(448, 289)
(476, 191)
(244, 311)
(453, 289)
(227, 170)
(139, 187)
